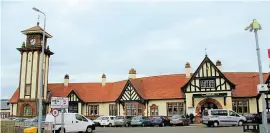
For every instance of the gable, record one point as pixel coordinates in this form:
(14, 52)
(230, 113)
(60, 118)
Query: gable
(129, 93)
(207, 78)
(73, 97)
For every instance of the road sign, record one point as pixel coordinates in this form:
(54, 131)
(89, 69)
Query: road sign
(59, 102)
(55, 112)
(262, 88)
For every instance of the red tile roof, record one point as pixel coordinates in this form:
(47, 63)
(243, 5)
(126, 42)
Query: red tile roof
(36, 29)
(154, 87)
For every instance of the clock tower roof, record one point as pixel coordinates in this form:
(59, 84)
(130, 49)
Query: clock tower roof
(36, 29)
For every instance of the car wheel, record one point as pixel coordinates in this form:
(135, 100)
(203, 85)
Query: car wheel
(89, 129)
(110, 124)
(59, 130)
(208, 125)
(240, 123)
(162, 124)
(126, 125)
(215, 124)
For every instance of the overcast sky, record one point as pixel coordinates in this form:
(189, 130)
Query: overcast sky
(154, 37)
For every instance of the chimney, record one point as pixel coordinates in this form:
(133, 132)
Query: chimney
(103, 79)
(66, 80)
(132, 73)
(187, 70)
(218, 64)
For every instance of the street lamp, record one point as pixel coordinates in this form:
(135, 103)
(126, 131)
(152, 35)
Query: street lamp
(42, 72)
(255, 26)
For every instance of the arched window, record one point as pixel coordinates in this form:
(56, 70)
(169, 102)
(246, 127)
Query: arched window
(154, 110)
(27, 110)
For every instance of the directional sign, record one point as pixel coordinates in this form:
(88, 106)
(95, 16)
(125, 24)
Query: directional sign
(59, 102)
(55, 112)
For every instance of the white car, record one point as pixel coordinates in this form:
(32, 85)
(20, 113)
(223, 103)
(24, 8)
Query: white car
(98, 120)
(73, 122)
(216, 117)
(107, 121)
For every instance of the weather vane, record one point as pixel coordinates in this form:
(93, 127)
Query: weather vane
(205, 52)
(38, 20)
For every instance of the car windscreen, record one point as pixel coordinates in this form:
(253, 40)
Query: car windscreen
(156, 117)
(136, 118)
(105, 118)
(119, 117)
(205, 113)
(99, 118)
(176, 116)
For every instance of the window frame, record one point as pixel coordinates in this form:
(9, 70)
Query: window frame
(134, 109)
(113, 109)
(27, 110)
(180, 108)
(240, 105)
(92, 108)
(154, 110)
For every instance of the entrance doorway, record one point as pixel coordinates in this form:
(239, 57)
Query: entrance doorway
(208, 105)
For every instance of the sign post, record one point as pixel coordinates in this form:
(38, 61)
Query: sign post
(60, 103)
(55, 113)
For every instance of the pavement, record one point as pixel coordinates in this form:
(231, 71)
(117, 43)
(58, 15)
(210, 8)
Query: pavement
(175, 129)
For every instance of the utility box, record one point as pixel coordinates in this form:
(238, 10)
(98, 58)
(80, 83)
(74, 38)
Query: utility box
(30, 130)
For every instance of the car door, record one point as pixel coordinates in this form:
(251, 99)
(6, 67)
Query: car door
(79, 123)
(222, 116)
(233, 118)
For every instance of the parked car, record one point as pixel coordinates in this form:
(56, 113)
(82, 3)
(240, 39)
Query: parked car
(73, 122)
(107, 121)
(122, 121)
(140, 121)
(98, 120)
(179, 120)
(160, 120)
(252, 118)
(216, 117)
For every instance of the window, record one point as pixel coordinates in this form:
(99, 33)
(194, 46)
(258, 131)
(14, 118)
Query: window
(175, 108)
(73, 107)
(234, 114)
(206, 84)
(240, 106)
(27, 89)
(93, 110)
(267, 100)
(133, 109)
(112, 109)
(154, 110)
(220, 112)
(27, 110)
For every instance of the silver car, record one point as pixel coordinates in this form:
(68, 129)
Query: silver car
(179, 120)
(216, 117)
(122, 121)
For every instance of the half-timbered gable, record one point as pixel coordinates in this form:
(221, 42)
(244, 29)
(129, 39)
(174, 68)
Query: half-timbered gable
(73, 97)
(207, 78)
(129, 93)
(74, 102)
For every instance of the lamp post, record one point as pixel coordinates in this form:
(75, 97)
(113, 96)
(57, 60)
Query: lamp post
(255, 26)
(41, 75)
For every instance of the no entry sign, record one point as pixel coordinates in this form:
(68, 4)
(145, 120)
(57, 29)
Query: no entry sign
(55, 112)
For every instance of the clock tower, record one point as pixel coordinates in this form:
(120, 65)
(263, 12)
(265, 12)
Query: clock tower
(29, 81)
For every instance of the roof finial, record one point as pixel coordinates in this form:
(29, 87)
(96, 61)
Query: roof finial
(38, 20)
(205, 52)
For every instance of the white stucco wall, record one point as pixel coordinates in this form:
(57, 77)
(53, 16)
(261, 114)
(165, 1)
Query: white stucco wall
(23, 72)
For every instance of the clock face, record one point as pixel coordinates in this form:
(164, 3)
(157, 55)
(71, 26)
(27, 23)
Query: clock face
(32, 41)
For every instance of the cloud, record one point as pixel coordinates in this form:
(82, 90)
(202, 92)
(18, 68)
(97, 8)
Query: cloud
(154, 37)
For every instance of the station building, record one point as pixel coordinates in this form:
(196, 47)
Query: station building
(208, 87)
